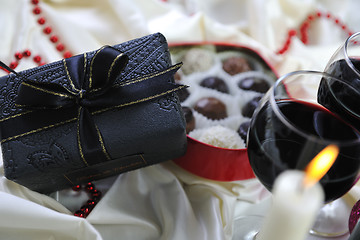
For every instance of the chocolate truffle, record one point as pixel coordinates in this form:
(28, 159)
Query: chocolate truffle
(235, 65)
(243, 129)
(211, 108)
(254, 84)
(197, 60)
(215, 83)
(183, 94)
(249, 108)
(189, 118)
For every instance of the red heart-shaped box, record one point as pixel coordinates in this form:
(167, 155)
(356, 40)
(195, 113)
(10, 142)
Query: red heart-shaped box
(210, 162)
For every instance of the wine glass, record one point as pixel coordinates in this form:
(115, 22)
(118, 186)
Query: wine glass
(345, 65)
(290, 127)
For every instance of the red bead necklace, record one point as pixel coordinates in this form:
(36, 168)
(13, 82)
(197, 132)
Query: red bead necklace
(304, 27)
(94, 198)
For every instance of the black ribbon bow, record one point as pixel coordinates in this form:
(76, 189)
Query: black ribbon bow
(92, 90)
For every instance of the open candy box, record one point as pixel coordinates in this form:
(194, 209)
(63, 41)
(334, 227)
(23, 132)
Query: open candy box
(225, 83)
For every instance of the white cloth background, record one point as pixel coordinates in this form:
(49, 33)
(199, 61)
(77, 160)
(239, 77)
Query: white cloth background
(162, 201)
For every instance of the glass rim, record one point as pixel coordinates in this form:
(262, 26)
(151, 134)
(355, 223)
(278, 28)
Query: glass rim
(346, 56)
(292, 126)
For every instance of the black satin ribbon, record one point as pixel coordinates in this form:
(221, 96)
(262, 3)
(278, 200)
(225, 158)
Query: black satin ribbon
(92, 90)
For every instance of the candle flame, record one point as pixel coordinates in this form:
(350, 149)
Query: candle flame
(320, 165)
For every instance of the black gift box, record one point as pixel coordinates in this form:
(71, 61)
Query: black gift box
(91, 116)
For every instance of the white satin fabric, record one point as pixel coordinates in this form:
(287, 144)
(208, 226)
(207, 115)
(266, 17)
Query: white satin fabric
(162, 201)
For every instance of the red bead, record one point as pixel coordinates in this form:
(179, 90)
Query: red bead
(79, 213)
(305, 40)
(281, 51)
(328, 15)
(89, 187)
(310, 17)
(319, 14)
(36, 10)
(60, 47)
(303, 30)
(34, 2)
(304, 26)
(27, 53)
(86, 209)
(47, 30)
(91, 202)
(89, 184)
(67, 54)
(337, 20)
(41, 21)
(18, 55)
(13, 64)
(54, 38)
(292, 32)
(288, 42)
(89, 207)
(42, 63)
(96, 193)
(37, 59)
(76, 188)
(343, 27)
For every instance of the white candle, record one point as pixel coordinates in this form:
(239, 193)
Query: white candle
(294, 208)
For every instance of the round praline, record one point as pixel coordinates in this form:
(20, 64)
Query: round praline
(249, 108)
(183, 94)
(211, 108)
(243, 129)
(215, 83)
(254, 84)
(189, 119)
(235, 65)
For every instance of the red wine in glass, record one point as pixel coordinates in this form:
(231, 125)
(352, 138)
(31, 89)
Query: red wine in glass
(337, 96)
(274, 147)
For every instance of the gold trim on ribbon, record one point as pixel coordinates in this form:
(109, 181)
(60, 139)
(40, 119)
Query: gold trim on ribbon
(91, 65)
(37, 130)
(140, 100)
(47, 91)
(113, 64)
(37, 108)
(68, 180)
(69, 78)
(110, 69)
(142, 157)
(147, 76)
(85, 64)
(15, 116)
(102, 144)
(78, 138)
